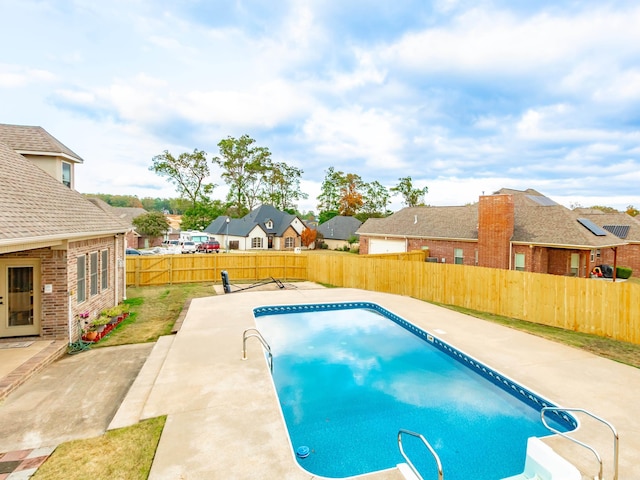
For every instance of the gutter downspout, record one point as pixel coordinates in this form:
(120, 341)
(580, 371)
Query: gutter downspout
(615, 262)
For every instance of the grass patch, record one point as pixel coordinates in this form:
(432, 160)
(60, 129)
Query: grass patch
(125, 453)
(623, 352)
(154, 311)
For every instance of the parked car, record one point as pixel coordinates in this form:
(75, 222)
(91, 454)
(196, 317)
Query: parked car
(153, 251)
(171, 246)
(188, 246)
(133, 251)
(209, 247)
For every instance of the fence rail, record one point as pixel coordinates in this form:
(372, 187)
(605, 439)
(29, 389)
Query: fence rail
(586, 305)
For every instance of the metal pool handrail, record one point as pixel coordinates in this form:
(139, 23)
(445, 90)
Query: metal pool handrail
(264, 343)
(562, 434)
(433, 452)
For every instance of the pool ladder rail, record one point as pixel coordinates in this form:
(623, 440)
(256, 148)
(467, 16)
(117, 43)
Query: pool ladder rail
(415, 474)
(414, 470)
(253, 332)
(588, 447)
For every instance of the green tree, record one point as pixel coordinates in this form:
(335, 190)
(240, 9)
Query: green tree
(326, 216)
(152, 224)
(282, 186)
(244, 167)
(329, 198)
(188, 172)
(411, 197)
(199, 217)
(376, 199)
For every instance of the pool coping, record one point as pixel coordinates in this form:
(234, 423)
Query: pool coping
(224, 419)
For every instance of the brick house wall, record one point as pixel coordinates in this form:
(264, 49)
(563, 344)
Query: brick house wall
(628, 256)
(364, 245)
(445, 249)
(58, 268)
(496, 220)
(290, 232)
(103, 298)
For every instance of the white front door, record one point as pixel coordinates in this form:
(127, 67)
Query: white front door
(19, 297)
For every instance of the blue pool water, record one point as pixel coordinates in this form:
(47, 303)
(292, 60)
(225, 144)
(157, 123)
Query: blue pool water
(349, 376)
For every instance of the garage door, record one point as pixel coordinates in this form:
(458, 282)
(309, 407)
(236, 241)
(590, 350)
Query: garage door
(387, 246)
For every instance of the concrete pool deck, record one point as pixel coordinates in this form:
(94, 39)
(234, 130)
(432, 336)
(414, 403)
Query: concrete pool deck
(224, 420)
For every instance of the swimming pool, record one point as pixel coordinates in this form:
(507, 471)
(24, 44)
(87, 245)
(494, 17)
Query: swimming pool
(350, 375)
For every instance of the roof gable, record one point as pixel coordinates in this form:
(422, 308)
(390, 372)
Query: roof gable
(37, 207)
(35, 141)
(261, 216)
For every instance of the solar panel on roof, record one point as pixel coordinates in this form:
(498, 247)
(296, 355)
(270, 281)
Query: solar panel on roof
(620, 231)
(542, 200)
(595, 229)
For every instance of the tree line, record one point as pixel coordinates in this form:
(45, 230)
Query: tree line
(254, 178)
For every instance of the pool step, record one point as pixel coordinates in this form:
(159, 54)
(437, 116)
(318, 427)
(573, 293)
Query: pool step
(542, 463)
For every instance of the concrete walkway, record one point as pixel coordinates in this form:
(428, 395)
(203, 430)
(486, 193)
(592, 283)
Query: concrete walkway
(224, 420)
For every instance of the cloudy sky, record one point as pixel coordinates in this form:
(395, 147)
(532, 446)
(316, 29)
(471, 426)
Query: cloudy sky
(464, 96)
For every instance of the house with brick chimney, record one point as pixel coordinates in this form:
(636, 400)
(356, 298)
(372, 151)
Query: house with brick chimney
(61, 257)
(510, 229)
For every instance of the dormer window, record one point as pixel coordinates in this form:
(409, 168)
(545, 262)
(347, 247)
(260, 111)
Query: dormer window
(268, 224)
(66, 174)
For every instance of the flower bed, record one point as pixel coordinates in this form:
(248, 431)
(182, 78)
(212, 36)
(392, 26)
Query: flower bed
(105, 329)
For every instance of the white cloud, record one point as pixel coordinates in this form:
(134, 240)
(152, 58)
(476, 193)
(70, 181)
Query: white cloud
(502, 43)
(13, 76)
(342, 135)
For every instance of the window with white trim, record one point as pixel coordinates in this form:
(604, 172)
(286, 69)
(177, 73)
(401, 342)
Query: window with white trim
(256, 242)
(519, 262)
(81, 279)
(575, 264)
(93, 273)
(289, 242)
(104, 273)
(66, 174)
(458, 256)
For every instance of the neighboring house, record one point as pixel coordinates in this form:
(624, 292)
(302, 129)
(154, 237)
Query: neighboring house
(338, 230)
(512, 229)
(126, 215)
(175, 222)
(622, 226)
(60, 255)
(264, 228)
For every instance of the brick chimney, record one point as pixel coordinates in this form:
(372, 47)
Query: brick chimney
(496, 219)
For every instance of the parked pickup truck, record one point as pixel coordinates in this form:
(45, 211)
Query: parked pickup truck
(209, 247)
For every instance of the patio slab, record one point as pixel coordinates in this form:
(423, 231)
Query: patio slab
(224, 420)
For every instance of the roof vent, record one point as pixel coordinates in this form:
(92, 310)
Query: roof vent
(415, 219)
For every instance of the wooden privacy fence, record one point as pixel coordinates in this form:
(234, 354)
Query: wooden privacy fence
(169, 269)
(586, 305)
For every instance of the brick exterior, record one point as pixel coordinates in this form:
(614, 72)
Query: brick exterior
(446, 249)
(628, 256)
(58, 268)
(496, 221)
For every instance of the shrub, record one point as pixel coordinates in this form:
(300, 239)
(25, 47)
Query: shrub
(623, 272)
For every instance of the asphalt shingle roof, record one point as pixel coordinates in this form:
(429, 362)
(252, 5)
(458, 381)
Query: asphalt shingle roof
(241, 227)
(538, 220)
(31, 139)
(35, 206)
(339, 227)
